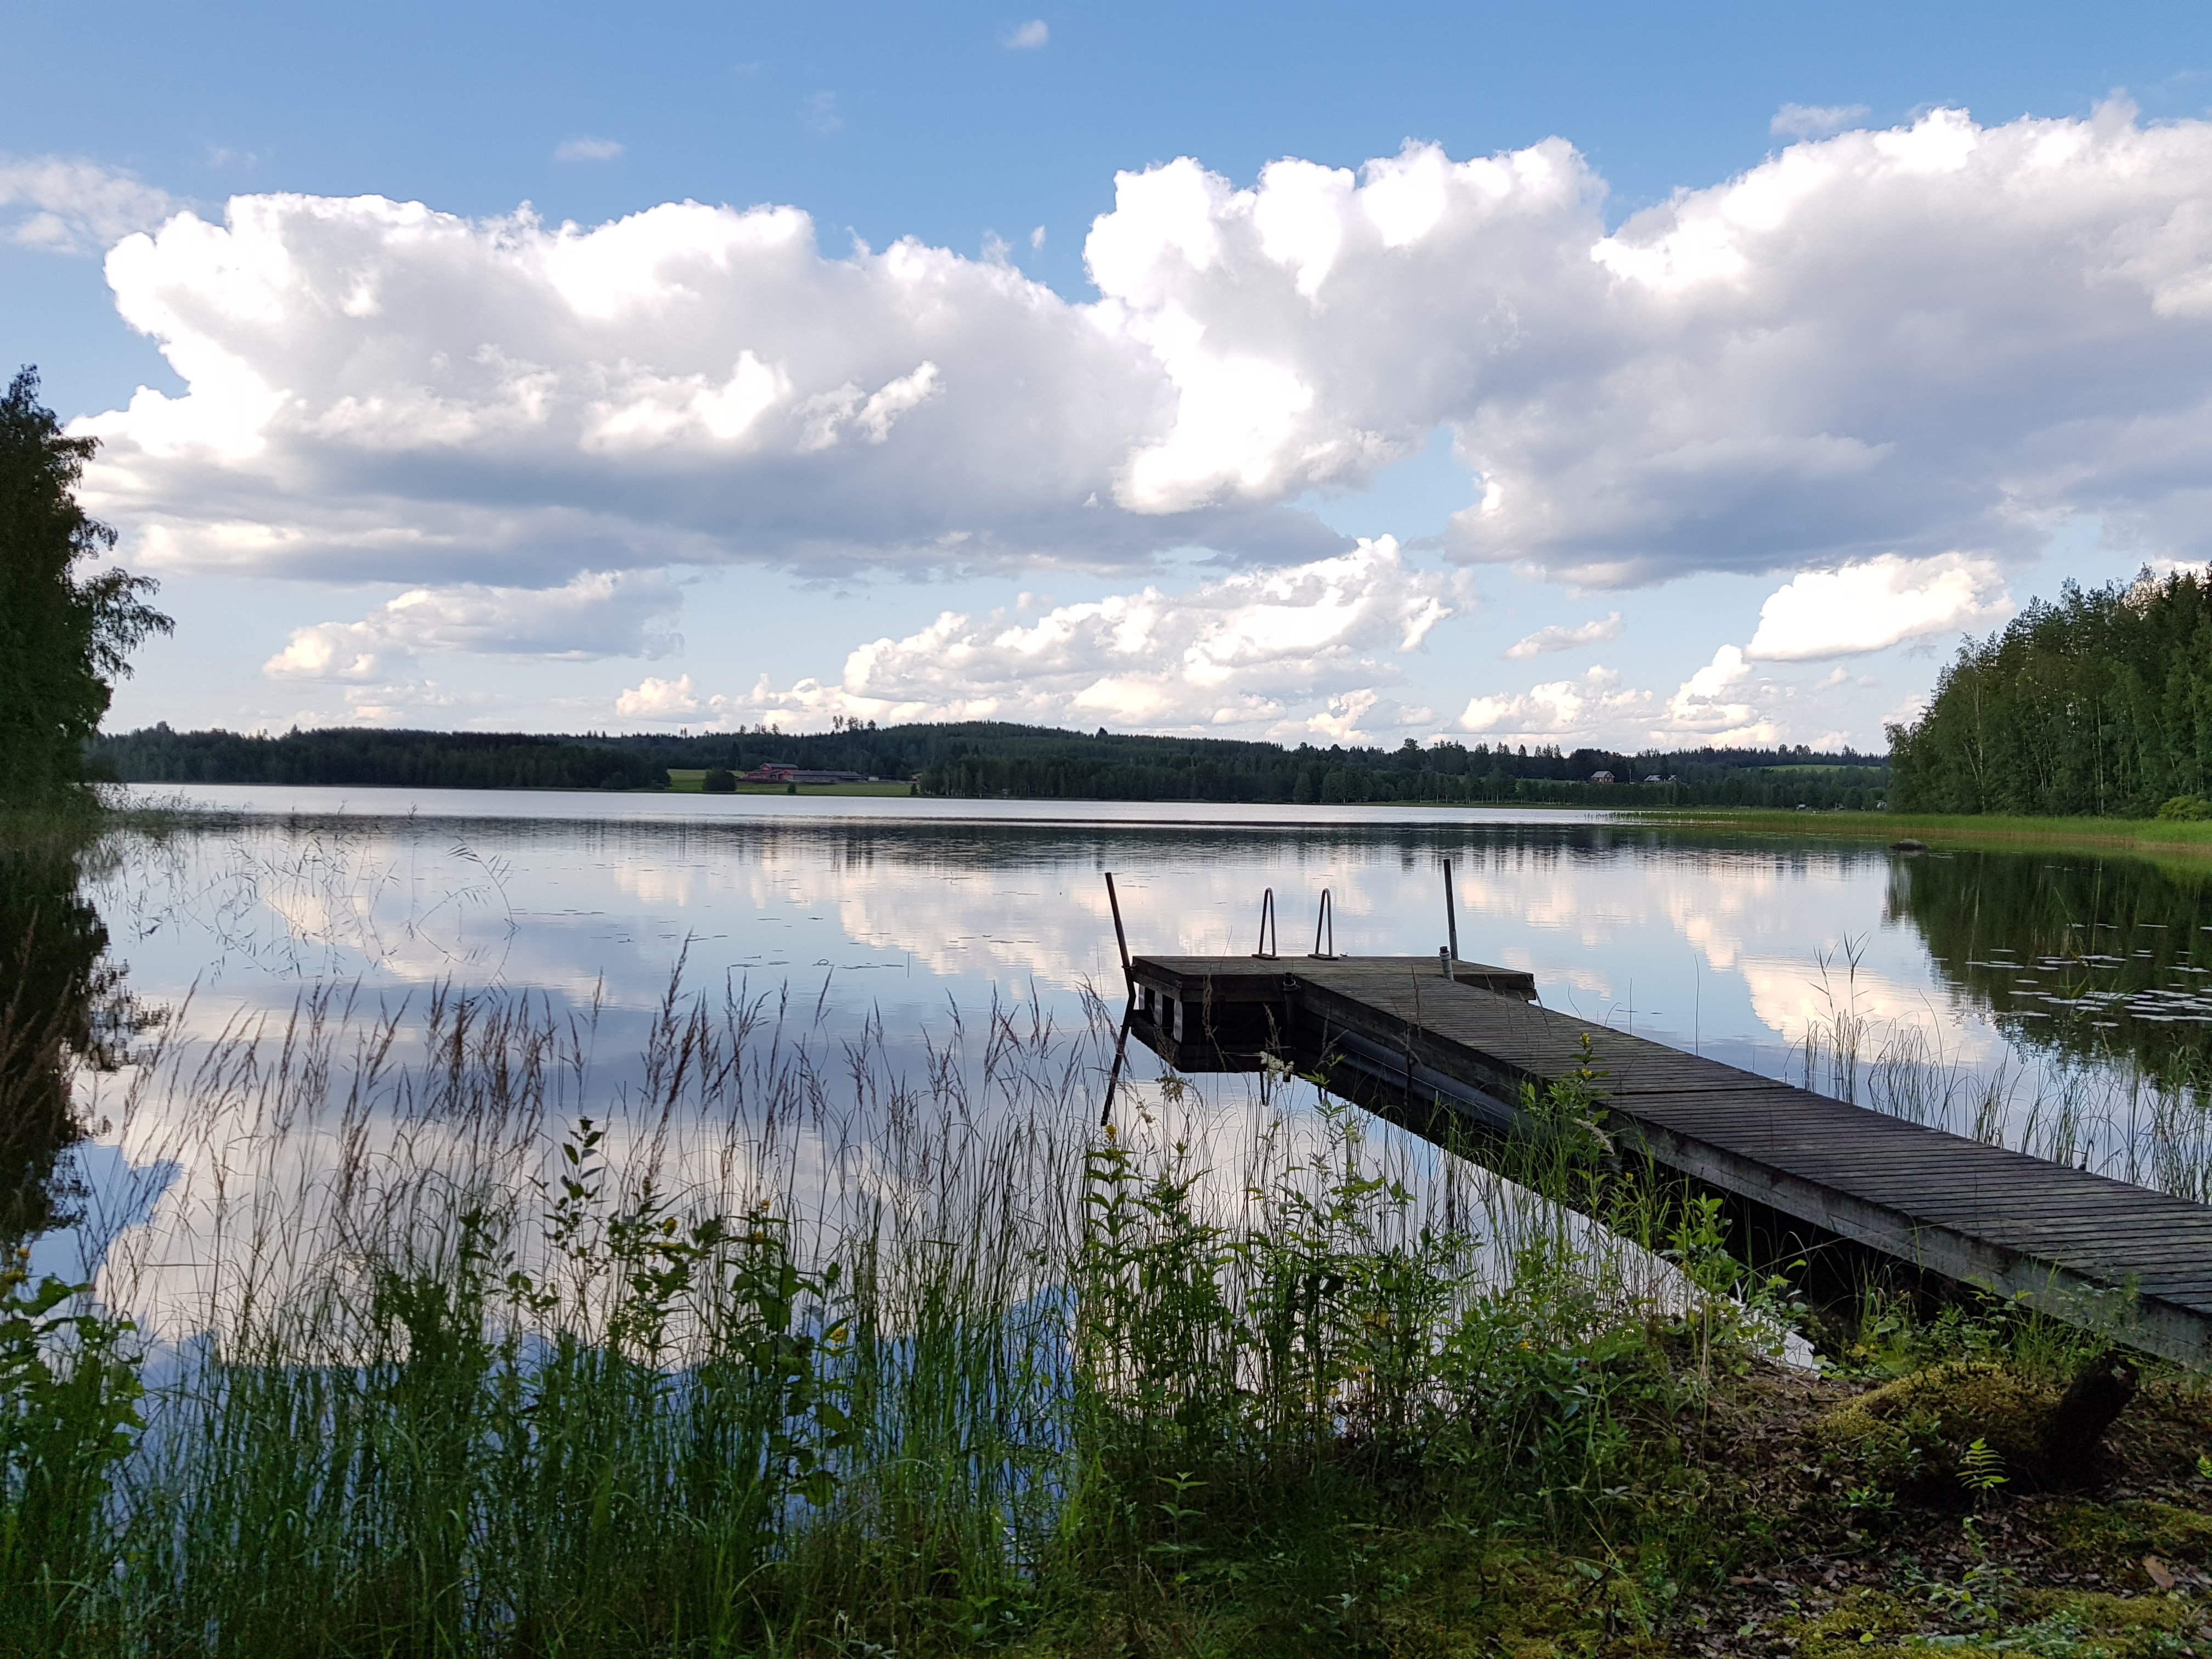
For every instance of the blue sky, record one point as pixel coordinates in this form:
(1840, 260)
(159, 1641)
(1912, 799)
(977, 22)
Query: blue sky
(926, 487)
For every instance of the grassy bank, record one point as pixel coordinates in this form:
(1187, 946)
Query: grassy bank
(454, 1344)
(2161, 836)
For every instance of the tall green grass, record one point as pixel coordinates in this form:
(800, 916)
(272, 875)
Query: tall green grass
(2149, 1128)
(777, 1344)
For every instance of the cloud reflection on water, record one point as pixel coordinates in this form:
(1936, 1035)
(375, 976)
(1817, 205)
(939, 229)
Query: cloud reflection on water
(883, 924)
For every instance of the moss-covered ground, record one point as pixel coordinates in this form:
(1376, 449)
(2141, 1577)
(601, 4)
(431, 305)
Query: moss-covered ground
(1780, 1474)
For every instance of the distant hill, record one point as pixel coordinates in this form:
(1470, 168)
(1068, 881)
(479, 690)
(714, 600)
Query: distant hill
(977, 759)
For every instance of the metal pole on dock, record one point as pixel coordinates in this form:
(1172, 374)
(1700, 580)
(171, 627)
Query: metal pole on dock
(1325, 919)
(1451, 914)
(1114, 1076)
(1121, 939)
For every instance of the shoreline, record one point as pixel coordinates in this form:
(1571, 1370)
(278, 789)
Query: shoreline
(2144, 836)
(2186, 841)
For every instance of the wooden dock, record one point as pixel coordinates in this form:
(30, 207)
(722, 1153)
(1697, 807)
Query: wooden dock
(1454, 1051)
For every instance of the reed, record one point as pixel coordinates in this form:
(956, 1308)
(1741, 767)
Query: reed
(450, 1339)
(2151, 1129)
(460, 1329)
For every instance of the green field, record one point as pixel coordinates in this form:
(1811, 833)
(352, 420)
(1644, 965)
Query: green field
(2148, 835)
(1853, 774)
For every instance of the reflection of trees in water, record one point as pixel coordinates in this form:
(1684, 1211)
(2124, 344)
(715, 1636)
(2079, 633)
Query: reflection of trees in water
(968, 847)
(62, 1004)
(2092, 959)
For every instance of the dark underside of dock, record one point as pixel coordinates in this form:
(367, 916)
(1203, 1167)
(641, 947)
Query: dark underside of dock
(1802, 1173)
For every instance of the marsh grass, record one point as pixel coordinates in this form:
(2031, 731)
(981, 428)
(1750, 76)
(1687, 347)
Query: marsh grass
(2148, 1128)
(453, 1337)
(782, 1342)
(2179, 844)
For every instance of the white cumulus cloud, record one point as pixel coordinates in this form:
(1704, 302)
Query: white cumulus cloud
(1727, 701)
(1938, 338)
(1562, 711)
(1931, 338)
(1728, 704)
(587, 150)
(654, 699)
(1560, 638)
(598, 614)
(381, 392)
(1292, 653)
(1709, 701)
(1878, 603)
(74, 207)
(1030, 36)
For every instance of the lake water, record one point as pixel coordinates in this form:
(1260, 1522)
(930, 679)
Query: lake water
(2054, 1003)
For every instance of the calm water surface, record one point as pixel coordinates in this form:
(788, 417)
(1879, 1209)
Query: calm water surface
(2055, 1003)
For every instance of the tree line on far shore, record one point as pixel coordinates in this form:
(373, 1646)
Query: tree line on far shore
(363, 757)
(2099, 704)
(983, 759)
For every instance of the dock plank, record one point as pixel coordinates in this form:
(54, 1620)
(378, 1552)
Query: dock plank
(2061, 1236)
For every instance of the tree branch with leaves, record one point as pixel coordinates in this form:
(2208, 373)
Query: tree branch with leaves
(64, 639)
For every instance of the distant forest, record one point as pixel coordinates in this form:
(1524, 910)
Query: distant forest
(984, 759)
(2098, 705)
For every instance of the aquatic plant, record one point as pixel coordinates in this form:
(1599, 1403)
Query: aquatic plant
(2148, 1126)
(774, 1343)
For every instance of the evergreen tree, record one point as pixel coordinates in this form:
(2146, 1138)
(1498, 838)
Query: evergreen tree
(63, 640)
(2099, 704)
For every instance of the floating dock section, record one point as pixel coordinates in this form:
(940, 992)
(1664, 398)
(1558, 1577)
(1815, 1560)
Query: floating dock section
(1446, 1043)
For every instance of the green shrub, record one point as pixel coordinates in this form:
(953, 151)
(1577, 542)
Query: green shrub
(68, 1396)
(1021, 1381)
